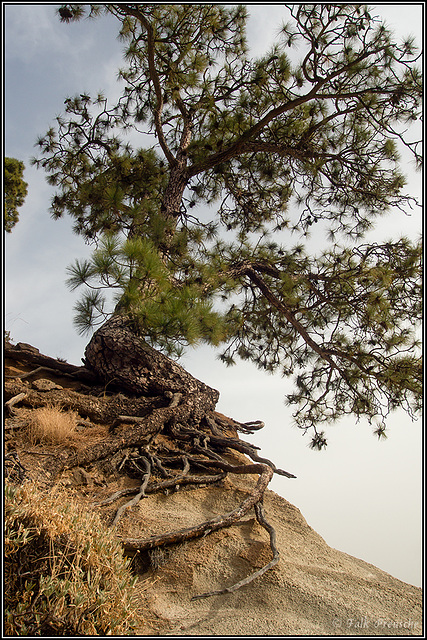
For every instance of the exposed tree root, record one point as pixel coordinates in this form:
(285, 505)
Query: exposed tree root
(265, 474)
(257, 574)
(165, 486)
(173, 433)
(8, 406)
(100, 409)
(25, 353)
(141, 493)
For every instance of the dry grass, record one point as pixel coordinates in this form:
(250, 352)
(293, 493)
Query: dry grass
(52, 425)
(65, 573)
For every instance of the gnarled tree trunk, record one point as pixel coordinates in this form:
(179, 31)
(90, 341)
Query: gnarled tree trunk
(121, 358)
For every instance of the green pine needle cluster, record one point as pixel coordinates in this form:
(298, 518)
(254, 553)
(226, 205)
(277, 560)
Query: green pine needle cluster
(15, 191)
(172, 306)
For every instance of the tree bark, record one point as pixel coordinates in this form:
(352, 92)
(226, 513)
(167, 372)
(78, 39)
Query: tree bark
(118, 356)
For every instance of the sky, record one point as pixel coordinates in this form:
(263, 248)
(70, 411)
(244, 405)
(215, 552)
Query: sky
(363, 496)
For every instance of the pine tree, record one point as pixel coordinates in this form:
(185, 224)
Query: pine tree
(15, 191)
(200, 233)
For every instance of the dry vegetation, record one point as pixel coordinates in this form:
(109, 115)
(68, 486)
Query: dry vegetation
(52, 425)
(65, 573)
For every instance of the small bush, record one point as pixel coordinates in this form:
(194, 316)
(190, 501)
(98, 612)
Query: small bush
(65, 573)
(51, 425)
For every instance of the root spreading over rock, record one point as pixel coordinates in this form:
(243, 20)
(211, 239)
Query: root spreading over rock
(152, 426)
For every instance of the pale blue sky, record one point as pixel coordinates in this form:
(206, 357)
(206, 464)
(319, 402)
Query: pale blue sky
(361, 495)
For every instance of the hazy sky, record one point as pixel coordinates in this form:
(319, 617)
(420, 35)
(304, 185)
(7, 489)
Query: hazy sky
(362, 496)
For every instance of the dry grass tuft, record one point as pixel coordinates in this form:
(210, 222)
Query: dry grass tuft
(52, 425)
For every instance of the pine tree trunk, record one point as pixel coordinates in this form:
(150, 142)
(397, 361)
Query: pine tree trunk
(121, 358)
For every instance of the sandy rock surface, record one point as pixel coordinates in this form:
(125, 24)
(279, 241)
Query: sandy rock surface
(314, 589)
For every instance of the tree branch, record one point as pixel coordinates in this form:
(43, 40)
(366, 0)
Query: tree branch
(269, 295)
(236, 147)
(130, 10)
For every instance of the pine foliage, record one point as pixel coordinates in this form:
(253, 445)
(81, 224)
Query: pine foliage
(15, 191)
(202, 236)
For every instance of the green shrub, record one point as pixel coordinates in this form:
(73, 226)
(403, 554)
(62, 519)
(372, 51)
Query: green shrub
(65, 573)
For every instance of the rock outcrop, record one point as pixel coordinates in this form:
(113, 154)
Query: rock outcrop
(312, 590)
